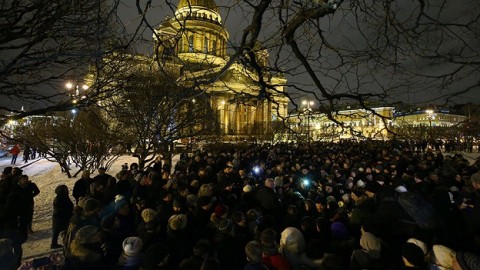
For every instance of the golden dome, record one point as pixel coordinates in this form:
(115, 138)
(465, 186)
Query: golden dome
(210, 4)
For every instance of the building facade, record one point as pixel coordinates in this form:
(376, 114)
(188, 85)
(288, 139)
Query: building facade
(378, 123)
(192, 46)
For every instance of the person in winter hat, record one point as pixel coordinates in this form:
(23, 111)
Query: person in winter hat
(413, 256)
(292, 245)
(85, 251)
(62, 212)
(441, 257)
(370, 253)
(131, 257)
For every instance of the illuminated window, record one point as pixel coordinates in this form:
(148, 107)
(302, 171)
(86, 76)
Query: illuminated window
(190, 43)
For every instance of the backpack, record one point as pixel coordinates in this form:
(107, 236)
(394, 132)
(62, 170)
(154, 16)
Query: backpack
(419, 209)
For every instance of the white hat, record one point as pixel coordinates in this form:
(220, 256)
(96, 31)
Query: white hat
(132, 246)
(360, 183)
(401, 189)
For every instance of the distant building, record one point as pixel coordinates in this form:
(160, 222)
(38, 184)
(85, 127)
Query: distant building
(375, 123)
(428, 118)
(344, 124)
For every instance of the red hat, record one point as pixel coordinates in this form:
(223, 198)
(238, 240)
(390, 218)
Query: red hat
(220, 210)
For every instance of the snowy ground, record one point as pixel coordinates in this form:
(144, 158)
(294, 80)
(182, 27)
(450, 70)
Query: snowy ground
(47, 175)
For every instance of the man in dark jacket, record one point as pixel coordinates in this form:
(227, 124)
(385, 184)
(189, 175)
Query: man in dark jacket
(267, 199)
(82, 186)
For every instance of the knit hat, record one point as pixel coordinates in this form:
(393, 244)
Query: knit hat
(371, 244)
(132, 246)
(225, 226)
(148, 215)
(413, 254)
(177, 222)
(443, 256)
(254, 252)
(176, 203)
(360, 184)
(119, 204)
(467, 260)
(61, 190)
(7, 170)
(86, 234)
(339, 231)
(220, 210)
(91, 205)
(247, 188)
(419, 244)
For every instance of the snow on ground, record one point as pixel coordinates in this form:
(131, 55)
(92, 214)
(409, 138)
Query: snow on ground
(47, 175)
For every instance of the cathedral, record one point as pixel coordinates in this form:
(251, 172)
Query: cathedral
(192, 46)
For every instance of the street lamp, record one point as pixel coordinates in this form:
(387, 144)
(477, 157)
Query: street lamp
(76, 88)
(308, 106)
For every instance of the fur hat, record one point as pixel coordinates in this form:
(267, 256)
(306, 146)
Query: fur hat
(468, 261)
(148, 215)
(132, 246)
(413, 254)
(443, 256)
(177, 222)
(86, 234)
(91, 206)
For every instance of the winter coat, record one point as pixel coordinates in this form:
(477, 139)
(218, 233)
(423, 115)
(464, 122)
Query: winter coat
(126, 262)
(62, 211)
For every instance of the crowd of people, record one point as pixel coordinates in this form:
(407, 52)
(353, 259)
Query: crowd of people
(348, 205)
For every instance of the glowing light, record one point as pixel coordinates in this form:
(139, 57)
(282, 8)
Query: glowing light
(69, 85)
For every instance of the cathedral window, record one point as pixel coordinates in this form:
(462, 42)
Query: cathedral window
(190, 43)
(214, 47)
(205, 45)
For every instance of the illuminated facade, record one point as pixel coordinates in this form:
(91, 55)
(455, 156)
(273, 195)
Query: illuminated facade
(375, 123)
(193, 46)
(429, 117)
(345, 124)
